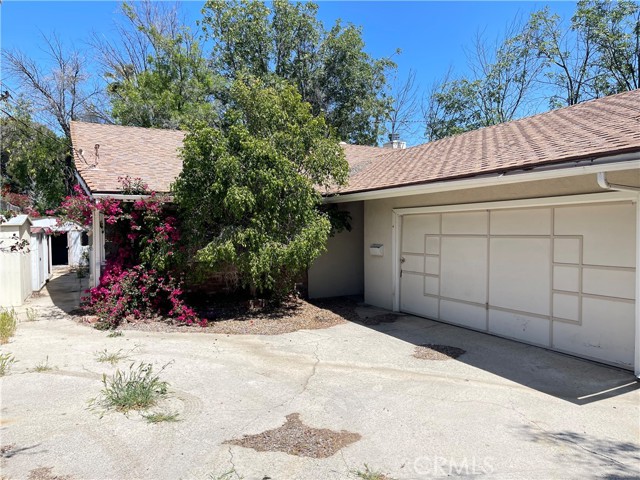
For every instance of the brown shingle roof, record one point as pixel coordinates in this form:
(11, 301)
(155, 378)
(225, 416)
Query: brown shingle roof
(597, 128)
(148, 153)
(606, 126)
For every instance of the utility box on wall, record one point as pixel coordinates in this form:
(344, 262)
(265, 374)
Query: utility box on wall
(376, 250)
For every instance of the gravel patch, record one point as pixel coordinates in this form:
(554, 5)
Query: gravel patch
(382, 318)
(7, 450)
(44, 473)
(296, 438)
(431, 351)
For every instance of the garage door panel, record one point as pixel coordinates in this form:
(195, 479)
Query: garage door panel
(522, 327)
(414, 229)
(412, 298)
(463, 268)
(534, 221)
(566, 306)
(466, 223)
(471, 316)
(432, 265)
(431, 285)
(413, 263)
(566, 278)
(520, 274)
(561, 277)
(611, 283)
(605, 333)
(608, 231)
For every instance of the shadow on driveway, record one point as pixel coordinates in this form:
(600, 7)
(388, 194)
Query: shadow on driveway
(563, 376)
(65, 289)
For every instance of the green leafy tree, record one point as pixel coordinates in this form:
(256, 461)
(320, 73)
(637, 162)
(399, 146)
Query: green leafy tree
(33, 159)
(328, 67)
(156, 72)
(503, 76)
(249, 191)
(571, 71)
(613, 28)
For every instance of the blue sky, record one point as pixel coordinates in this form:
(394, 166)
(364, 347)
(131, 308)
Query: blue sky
(431, 35)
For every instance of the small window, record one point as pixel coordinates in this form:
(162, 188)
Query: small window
(84, 240)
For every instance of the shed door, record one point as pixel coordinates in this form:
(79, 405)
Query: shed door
(558, 277)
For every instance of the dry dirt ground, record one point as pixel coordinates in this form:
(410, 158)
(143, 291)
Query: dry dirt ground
(311, 404)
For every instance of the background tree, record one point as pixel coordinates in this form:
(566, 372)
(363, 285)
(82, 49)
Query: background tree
(248, 190)
(569, 53)
(329, 67)
(33, 160)
(157, 75)
(405, 107)
(613, 28)
(60, 91)
(502, 78)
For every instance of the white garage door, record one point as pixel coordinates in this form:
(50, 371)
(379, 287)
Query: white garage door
(559, 277)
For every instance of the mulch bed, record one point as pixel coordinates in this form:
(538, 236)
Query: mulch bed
(238, 319)
(431, 351)
(296, 438)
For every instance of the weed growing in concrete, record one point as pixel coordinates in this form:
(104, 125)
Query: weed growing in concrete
(32, 314)
(159, 417)
(115, 333)
(43, 366)
(138, 388)
(8, 324)
(110, 357)
(6, 362)
(368, 474)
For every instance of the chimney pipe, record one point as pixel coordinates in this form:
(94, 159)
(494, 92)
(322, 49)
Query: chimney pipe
(395, 142)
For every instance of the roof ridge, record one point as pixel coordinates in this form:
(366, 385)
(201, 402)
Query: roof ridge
(581, 105)
(114, 125)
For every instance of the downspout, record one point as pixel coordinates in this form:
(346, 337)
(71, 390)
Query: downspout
(602, 181)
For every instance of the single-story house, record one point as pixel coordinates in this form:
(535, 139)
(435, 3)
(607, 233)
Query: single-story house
(527, 230)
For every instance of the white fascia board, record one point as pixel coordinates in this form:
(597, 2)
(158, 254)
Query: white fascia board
(82, 183)
(569, 169)
(129, 198)
(524, 203)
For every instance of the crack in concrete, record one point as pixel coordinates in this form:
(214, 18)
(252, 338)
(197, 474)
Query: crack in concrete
(292, 398)
(314, 370)
(232, 460)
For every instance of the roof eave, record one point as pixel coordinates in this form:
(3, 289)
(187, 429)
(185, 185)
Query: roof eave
(574, 167)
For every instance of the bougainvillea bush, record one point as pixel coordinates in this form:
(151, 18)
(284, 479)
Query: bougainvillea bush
(139, 281)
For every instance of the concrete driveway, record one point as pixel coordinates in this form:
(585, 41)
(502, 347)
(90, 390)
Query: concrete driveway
(502, 410)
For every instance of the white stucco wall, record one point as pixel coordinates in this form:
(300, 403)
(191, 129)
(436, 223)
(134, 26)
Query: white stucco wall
(378, 215)
(340, 270)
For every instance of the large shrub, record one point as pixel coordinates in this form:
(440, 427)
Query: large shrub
(249, 191)
(139, 280)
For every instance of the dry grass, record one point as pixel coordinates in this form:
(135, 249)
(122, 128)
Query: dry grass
(296, 438)
(368, 474)
(8, 324)
(113, 358)
(437, 352)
